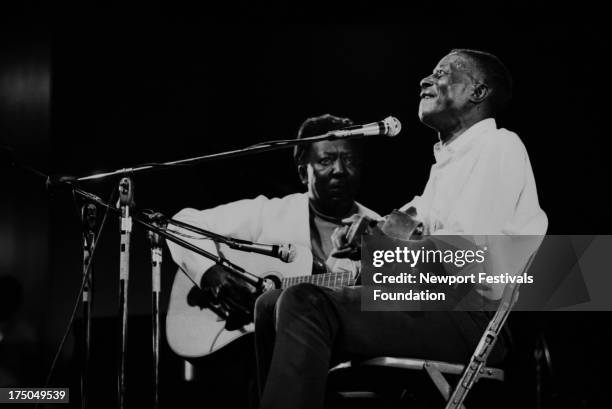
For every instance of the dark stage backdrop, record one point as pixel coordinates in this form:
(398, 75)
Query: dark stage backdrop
(133, 84)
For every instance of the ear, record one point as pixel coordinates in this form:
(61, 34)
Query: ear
(479, 93)
(303, 173)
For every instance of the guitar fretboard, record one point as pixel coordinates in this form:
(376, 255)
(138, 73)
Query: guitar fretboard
(331, 280)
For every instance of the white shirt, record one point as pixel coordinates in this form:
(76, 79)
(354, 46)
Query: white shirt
(481, 184)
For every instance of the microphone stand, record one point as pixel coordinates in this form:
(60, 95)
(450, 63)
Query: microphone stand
(124, 206)
(126, 202)
(237, 244)
(156, 260)
(234, 269)
(250, 150)
(88, 217)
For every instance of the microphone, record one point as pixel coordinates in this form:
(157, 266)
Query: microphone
(88, 216)
(390, 126)
(284, 252)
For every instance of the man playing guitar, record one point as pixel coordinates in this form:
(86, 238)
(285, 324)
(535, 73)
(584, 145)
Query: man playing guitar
(330, 170)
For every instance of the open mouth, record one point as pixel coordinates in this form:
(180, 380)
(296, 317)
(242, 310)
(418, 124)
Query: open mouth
(427, 95)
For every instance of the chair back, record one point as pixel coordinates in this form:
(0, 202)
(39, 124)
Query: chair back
(507, 302)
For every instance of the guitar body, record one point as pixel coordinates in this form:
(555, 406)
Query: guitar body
(195, 332)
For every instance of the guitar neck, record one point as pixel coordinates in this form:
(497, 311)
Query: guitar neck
(331, 280)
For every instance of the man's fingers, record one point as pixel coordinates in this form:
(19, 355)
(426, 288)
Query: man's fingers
(343, 252)
(338, 237)
(352, 219)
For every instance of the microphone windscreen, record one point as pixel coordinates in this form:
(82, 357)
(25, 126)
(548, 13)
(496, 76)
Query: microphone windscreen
(287, 253)
(392, 125)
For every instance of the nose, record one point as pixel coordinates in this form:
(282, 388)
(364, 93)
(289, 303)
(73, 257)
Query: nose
(339, 166)
(426, 82)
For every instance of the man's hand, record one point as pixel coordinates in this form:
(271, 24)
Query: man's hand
(222, 290)
(347, 239)
(397, 224)
(402, 225)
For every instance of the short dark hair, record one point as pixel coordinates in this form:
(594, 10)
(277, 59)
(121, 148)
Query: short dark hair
(497, 76)
(314, 126)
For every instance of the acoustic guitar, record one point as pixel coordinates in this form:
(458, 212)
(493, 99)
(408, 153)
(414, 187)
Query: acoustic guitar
(193, 331)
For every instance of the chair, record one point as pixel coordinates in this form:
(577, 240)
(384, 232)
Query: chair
(475, 370)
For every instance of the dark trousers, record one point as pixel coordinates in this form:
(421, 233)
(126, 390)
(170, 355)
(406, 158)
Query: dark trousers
(304, 330)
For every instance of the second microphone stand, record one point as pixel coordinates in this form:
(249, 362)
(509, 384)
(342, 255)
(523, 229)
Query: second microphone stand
(125, 204)
(156, 261)
(88, 217)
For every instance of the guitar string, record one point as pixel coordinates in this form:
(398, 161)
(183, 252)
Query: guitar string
(320, 279)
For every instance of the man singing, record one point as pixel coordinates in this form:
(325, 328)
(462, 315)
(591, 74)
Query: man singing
(481, 183)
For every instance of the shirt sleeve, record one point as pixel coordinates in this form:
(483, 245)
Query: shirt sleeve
(241, 219)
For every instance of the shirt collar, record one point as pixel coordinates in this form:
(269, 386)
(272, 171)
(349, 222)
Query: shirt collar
(336, 220)
(443, 152)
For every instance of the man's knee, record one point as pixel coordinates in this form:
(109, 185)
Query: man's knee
(300, 296)
(265, 305)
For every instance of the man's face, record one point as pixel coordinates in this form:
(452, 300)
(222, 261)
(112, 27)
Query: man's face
(332, 173)
(445, 94)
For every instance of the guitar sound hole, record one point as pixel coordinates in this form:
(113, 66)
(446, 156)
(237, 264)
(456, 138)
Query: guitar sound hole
(197, 298)
(272, 282)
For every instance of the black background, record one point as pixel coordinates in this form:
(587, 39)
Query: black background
(105, 87)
